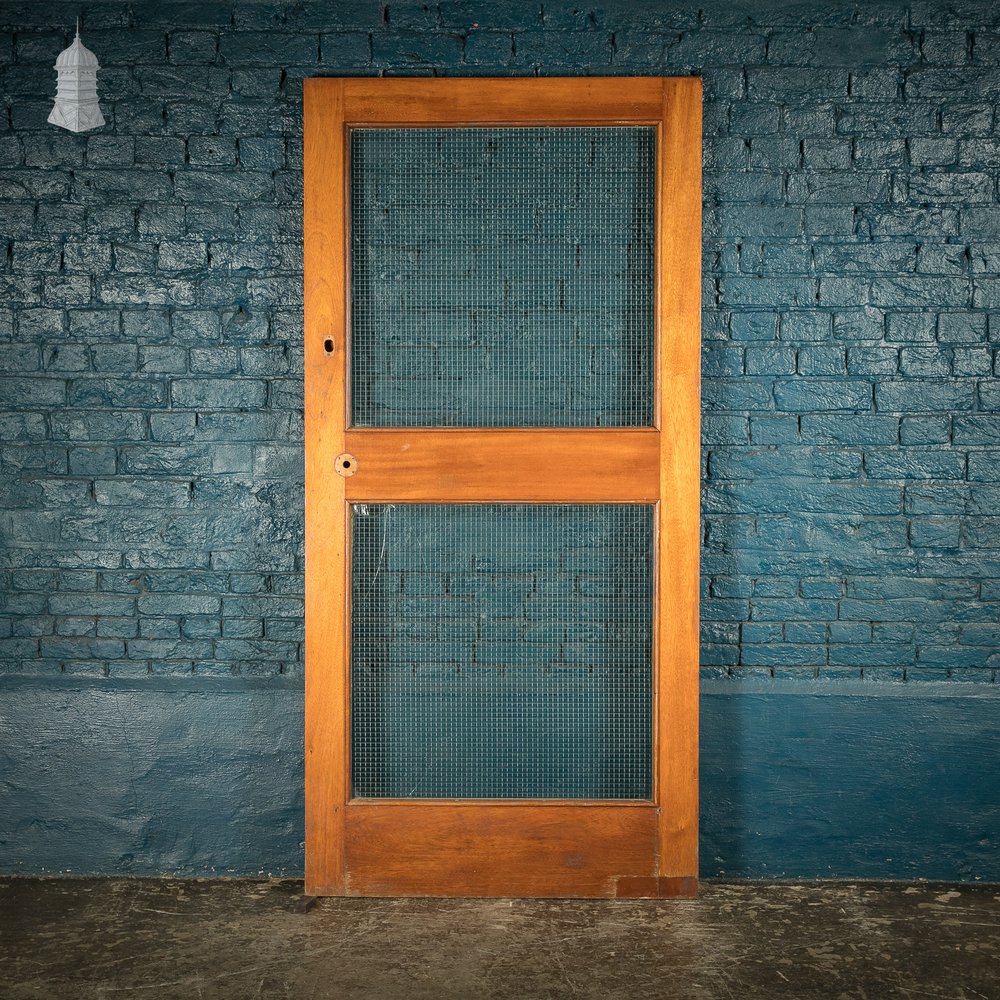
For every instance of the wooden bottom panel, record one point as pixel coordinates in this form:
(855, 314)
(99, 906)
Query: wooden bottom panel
(497, 850)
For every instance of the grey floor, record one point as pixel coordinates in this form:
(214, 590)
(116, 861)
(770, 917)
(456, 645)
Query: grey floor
(77, 939)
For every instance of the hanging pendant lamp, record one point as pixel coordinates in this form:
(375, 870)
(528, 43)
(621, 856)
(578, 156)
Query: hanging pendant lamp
(76, 106)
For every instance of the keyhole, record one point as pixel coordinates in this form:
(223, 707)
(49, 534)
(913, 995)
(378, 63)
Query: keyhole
(346, 465)
(328, 345)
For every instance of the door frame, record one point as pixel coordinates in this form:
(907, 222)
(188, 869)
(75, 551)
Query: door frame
(509, 847)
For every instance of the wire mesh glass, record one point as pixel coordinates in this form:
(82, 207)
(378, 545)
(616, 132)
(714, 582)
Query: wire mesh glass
(502, 276)
(502, 651)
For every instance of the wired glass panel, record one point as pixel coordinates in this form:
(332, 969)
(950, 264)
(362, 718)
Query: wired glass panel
(502, 276)
(502, 651)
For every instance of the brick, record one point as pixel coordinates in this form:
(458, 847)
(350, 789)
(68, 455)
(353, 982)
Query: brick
(981, 221)
(772, 430)
(830, 187)
(858, 324)
(235, 187)
(764, 291)
(905, 395)
(989, 395)
(933, 152)
(908, 327)
(977, 430)
(821, 394)
(770, 361)
(210, 151)
(903, 290)
(141, 493)
(159, 151)
(857, 430)
(32, 392)
(872, 655)
(412, 48)
(984, 466)
(91, 604)
(742, 394)
(981, 533)
(813, 360)
(353, 48)
(261, 153)
(909, 463)
(865, 258)
(173, 605)
(755, 325)
(817, 497)
(944, 258)
(932, 222)
(967, 119)
(192, 47)
(760, 220)
(946, 187)
(924, 362)
(886, 154)
(961, 328)
(751, 464)
(934, 429)
(98, 425)
(805, 326)
(208, 393)
(189, 255)
(92, 461)
(795, 85)
(115, 393)
(247, 48)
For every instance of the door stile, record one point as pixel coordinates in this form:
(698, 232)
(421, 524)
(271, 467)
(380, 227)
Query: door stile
(326, 563)
(679, 311)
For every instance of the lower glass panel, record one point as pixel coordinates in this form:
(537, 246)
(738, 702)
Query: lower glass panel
(502, 651)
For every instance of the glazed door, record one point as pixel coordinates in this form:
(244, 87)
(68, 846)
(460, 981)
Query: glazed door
(502, 466)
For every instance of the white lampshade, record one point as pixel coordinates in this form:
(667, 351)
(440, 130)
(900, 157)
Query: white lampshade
(76, 106)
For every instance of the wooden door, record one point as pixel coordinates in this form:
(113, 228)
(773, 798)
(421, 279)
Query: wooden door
(502, 465)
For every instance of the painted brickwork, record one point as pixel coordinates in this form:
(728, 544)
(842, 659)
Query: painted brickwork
(151, 424)
(151, 318)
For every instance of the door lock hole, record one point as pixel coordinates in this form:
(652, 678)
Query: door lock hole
(346, 465)
(328, 345)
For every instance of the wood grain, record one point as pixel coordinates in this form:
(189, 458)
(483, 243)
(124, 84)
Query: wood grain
(457, 849)
(679, 533)
(504, 465)
(630, 887)
(552, 100)
(539, 848)
(326, 564)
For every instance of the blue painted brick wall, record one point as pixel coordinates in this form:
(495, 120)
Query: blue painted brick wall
(151, 314)
(151, 322)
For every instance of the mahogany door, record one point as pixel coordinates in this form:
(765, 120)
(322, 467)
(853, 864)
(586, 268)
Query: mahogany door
(502, 465)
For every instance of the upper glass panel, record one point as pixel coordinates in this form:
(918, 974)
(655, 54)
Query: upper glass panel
(503, 276)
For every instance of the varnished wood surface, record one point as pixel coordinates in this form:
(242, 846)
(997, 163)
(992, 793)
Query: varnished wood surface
(677, 580)
(326, 565)
(478, 849)
(504, 465)
(630, 887)
(536, 849)
(555, 100)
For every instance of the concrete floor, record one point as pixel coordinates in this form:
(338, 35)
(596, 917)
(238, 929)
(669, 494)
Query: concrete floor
(77, 939)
